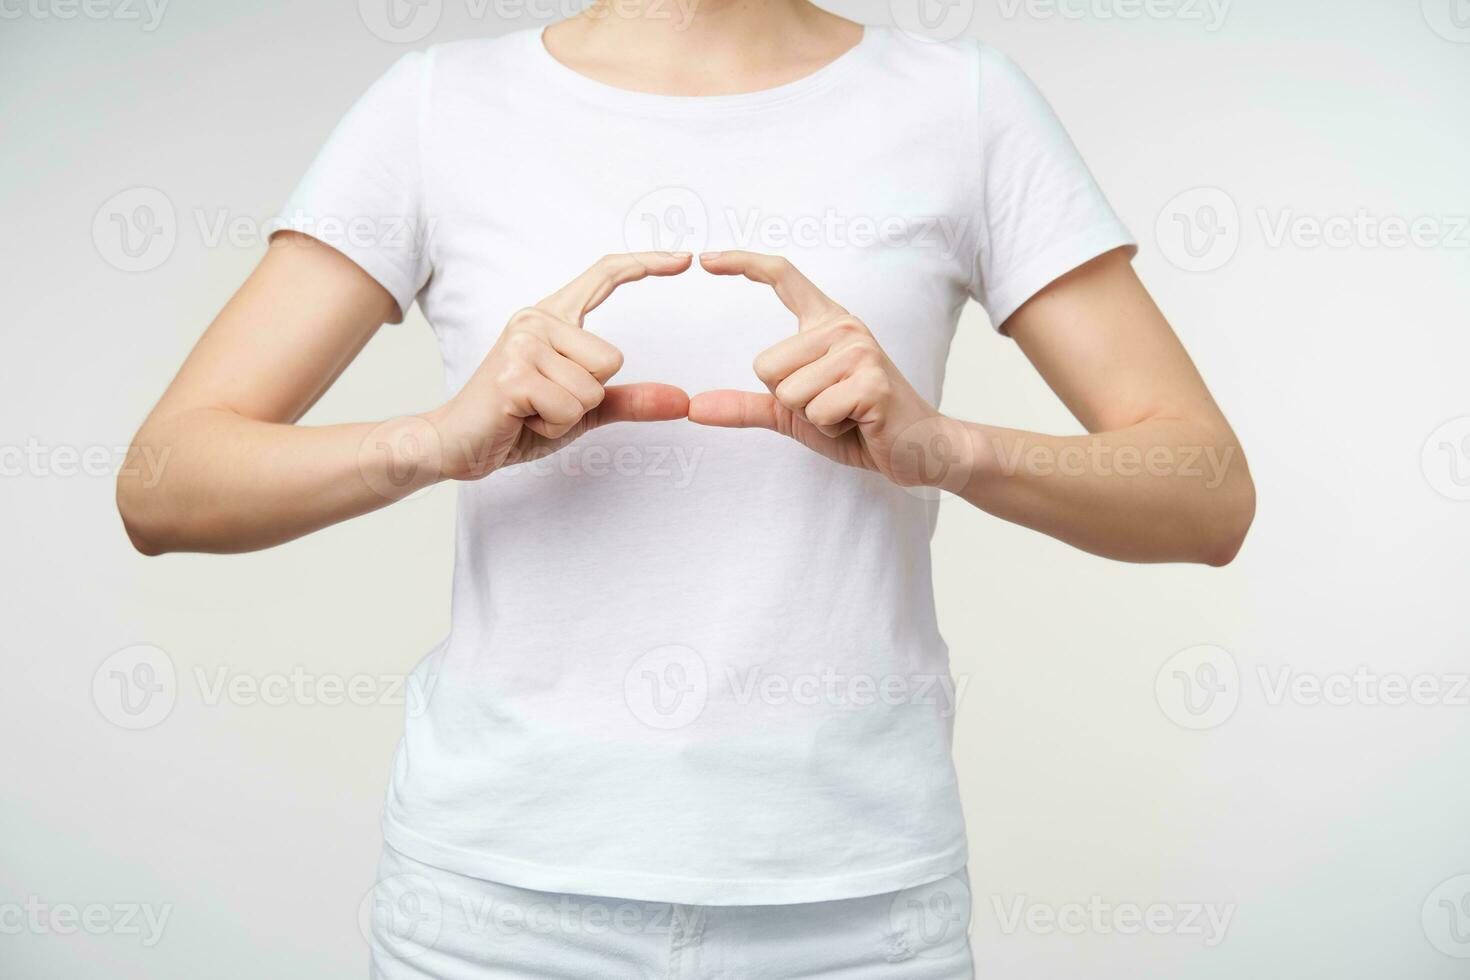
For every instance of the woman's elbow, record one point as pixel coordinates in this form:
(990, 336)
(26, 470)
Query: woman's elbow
(141, 503)
(141, 530)
(1231, 517)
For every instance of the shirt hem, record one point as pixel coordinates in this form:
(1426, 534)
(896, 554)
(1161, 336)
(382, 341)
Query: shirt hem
(1023, 284)
(644, 886)
(381, 269)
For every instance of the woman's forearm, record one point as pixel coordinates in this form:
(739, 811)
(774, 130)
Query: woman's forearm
(219, 482)
(1160, 491)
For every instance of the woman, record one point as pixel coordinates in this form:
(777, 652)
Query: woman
(708, 697)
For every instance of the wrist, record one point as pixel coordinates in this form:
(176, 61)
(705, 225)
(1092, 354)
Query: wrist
(401, 456)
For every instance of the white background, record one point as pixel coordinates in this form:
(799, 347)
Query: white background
(1330, 833)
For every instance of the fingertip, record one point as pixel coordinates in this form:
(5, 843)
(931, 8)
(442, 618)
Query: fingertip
(714, 262)
(668, 263)
(668, 403)
(699, 408)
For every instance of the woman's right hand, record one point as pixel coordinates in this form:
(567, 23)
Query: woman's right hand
(220, 464)
(544, 382)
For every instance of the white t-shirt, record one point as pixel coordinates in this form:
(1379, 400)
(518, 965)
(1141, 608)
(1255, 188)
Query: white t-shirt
(689, 664)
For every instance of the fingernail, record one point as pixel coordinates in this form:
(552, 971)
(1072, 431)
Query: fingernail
(709, 256)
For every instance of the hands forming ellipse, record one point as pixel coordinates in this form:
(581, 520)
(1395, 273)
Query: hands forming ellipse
(544, 383)
(830, 386)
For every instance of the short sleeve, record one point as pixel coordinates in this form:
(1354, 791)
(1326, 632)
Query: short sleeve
(363, 193)
(1041, 214)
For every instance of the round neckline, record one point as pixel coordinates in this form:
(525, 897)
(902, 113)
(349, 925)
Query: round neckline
(654, 102)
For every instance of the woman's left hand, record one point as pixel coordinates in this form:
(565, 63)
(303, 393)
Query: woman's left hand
(832, 387)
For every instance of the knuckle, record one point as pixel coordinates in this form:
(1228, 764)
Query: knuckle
(526, 318)
(522, 344)
(510, 374)
(786, 396)
(875, 380)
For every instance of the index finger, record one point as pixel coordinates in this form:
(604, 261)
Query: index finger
(586, 292)
(795, 291)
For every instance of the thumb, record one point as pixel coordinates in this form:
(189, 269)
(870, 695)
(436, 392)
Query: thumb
(642, 402)
(733, 409)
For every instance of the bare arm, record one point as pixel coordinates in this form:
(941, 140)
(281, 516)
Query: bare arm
(233, 472)
(1159, 478)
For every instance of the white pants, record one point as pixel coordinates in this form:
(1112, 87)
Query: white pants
(431, 924)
